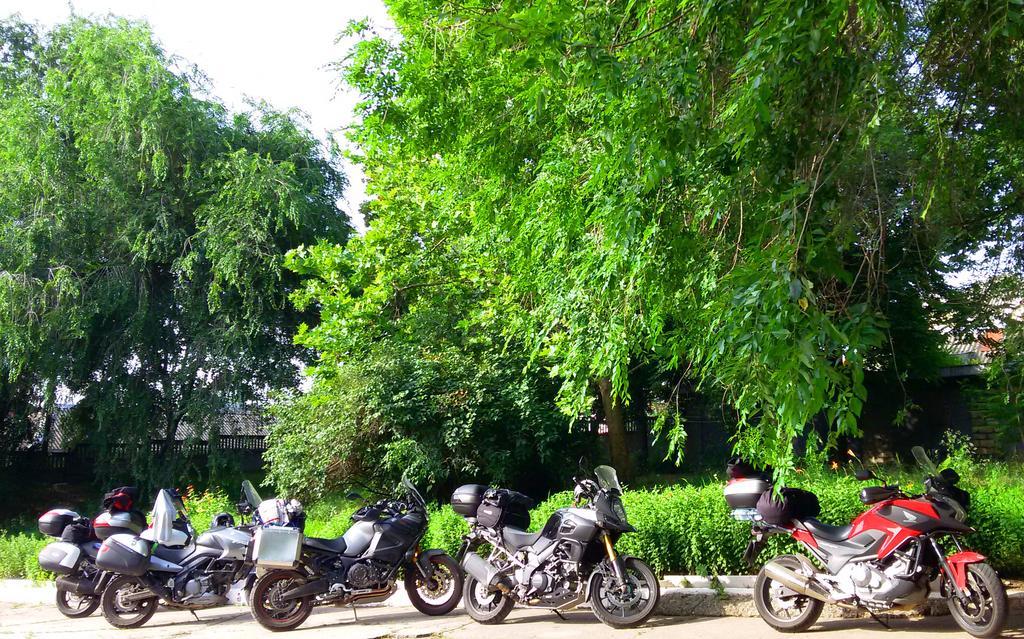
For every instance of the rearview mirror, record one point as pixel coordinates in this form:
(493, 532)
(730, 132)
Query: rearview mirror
(864, 474)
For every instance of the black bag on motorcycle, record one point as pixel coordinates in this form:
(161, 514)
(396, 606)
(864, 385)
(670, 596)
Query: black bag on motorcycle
(502, 507)
(121, 499)
(791, 503)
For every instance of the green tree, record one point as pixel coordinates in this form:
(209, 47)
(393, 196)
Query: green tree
(142, 235)
(765, 195)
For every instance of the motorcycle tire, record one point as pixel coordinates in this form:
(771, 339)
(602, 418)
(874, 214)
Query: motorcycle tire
(76, 606)
(484, 607)
(632, 608)
(441, 594)
(984, 614)
(275, 618)
(121, 615)
(809, 608)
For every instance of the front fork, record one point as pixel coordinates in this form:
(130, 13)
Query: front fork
(618, 566)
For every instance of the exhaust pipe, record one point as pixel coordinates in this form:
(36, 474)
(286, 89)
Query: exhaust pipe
(76, 585)
(800, 584)
(484, 572)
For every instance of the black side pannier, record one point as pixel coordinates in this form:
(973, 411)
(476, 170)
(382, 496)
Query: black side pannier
(739, 468)
(78, 531)
(60, 558)
(120, 499)
(467, 499)
(502, 507)
(792, 503)
(124, 555)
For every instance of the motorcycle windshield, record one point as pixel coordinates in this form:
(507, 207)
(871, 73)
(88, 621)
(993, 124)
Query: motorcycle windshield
(923, 460)
(607, 478)
(251, 496)
(413, 493)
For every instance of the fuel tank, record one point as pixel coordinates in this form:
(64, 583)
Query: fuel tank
(232, 542)
(357, 538)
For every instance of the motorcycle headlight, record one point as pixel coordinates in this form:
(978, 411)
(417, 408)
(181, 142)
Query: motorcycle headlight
(619, 511)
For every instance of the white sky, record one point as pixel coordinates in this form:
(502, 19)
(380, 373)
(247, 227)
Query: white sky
(275, 51)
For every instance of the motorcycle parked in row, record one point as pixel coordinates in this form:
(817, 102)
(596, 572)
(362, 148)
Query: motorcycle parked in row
(169, 563)
(361, 566)
(891, 557)
(572, 560)
(73, 559)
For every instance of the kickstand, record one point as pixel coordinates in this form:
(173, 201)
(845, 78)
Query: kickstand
(559, 613)
(355, 615)
(879, 620)
(194, 614)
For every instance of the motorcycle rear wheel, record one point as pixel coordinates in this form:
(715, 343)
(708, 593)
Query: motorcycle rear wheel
(772, 598)
(122, 614)
(269, 610)
(76, 606)
(485, 607)
(984, 613)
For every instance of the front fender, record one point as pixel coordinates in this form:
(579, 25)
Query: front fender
(423, 564)
(958, 565)
(597, 573)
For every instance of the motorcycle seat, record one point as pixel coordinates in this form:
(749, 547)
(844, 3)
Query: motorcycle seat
(516, 538)
(330, 545)
(825, 531)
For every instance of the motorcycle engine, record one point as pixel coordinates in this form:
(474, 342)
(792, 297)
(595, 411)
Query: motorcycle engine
(882, 584)
(365, 574)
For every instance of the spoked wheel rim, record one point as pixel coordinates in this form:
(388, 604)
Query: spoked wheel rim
(131, 610)
(277, 609)
(439, 588)
(629, 600)
(782, 603)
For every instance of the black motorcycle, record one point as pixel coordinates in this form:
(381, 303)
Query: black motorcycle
(361, 566)
(571, 561)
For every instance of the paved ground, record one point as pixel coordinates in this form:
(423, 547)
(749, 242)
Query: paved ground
(33, 621)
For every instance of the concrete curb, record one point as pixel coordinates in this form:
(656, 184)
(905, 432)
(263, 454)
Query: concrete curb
(731, 597)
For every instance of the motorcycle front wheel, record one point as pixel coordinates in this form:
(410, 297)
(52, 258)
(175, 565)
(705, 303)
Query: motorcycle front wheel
(483, 606)
(438, 595)
(121, 612)
(75, 606)
(627, 605)
(982, 613)
(272, 612)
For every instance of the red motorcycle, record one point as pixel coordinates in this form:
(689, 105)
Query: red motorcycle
(889, 558)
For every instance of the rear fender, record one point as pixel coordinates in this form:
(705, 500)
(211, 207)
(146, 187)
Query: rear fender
(958, 565)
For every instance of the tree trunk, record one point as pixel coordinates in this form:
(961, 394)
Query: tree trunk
(615, 418)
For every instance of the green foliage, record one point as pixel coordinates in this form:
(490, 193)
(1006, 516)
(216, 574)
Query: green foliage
(203, 505)
(143, 230)
(19, 556)
(764, 197)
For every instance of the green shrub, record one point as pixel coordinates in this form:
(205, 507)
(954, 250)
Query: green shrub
(19, 556)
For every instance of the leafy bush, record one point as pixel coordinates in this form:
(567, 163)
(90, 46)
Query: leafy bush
(19, 556)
